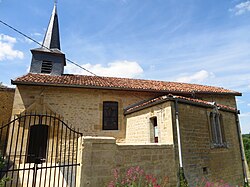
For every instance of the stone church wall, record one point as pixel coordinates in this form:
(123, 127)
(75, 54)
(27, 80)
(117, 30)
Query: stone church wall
(228, 100)
(200, 158)
(79, 107)
(82, 108)
(140, 127)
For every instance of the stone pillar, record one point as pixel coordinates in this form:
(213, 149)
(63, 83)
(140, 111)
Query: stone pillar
(98, 161)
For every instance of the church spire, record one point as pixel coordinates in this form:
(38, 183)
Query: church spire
(49, 59)
(52, 38)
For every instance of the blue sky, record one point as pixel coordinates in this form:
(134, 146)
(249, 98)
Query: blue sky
(194, 41)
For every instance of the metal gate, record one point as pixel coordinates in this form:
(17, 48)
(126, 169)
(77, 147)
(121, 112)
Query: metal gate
(39, 150)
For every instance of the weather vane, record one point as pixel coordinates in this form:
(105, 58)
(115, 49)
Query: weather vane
(55, 1)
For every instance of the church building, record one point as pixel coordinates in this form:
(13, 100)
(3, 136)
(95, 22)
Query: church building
(80, 128)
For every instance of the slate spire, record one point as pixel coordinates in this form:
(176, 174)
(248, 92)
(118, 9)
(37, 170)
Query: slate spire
(52, 38)
(49, 59)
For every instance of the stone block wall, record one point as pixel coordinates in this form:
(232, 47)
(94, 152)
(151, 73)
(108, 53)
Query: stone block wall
(83, 107)
(140, 127)
(6, 104)
(228, 100)
(79, 107)
(101, 155)
(200, 158)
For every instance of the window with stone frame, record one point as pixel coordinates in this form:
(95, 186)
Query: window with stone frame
(217, 130)
(110, 115)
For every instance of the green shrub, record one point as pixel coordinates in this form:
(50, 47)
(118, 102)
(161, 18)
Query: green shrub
(2, 165)
(246, 142)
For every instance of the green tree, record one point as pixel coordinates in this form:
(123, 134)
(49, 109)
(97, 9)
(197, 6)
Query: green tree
(246, 142)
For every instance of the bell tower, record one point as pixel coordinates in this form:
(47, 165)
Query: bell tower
(49, 59)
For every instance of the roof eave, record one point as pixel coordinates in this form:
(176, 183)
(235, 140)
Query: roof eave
(180, 101)
(56, 53)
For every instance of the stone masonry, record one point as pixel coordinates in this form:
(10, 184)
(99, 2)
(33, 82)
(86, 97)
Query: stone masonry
(6, 103)
(101, 155)
(200, 158)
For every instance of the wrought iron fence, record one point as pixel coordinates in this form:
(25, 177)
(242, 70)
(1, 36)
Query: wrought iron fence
(39, 150)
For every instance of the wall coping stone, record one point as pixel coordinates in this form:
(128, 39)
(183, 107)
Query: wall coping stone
(144, 146)
(99, 139)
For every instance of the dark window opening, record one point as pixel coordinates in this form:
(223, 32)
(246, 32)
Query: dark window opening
(205, 170)
(155, 127)
(110, 115)
(46, 67)
(37, 142)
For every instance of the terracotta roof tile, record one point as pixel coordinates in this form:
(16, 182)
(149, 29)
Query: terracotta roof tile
(154, 101)
(119, 83)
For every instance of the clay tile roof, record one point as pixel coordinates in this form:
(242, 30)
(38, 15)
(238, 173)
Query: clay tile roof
(119, 83)
(170, 97)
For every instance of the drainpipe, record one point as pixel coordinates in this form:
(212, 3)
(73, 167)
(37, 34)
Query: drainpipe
(181, 170)
(178, 133)
(241, 148)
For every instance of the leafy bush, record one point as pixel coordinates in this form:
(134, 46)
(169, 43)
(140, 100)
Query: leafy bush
(246, 142)
(183, 181)
(2, 165)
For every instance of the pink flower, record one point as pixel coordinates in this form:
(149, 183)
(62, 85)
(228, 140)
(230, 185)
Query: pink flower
(208, 184)
(111, 184)
(137, 168)
(116, 174)
(154, 180)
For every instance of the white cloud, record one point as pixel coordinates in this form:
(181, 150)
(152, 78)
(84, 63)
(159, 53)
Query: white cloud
(246, 114)
(29, 41)
(6, 38)
(6, 48)
(241, 8)
(9, 85)
(239, 101)
(197, 77)
(126, 69)
(248, 104)
(36, 34)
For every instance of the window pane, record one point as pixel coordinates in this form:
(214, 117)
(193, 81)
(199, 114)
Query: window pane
(218, 127)
(110, 115)
(213, 127)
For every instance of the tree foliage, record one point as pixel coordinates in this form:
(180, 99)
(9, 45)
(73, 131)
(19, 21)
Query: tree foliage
(246, 142)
